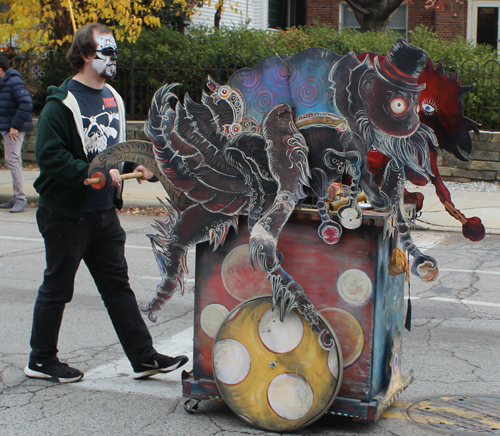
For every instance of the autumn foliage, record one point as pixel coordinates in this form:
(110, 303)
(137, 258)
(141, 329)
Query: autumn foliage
(38, 24)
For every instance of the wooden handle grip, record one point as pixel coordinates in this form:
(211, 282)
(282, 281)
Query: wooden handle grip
(127, 176)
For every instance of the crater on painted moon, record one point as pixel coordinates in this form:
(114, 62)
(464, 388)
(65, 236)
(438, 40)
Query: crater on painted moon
(355, 287)
(212, 317)
(240, 280)
(231, 361)
(277, 336)
(290, 396)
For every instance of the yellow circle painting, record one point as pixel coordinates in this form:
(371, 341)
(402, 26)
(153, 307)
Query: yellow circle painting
(275, 375)
(349, 332)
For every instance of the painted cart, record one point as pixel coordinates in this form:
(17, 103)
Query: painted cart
(274, 374)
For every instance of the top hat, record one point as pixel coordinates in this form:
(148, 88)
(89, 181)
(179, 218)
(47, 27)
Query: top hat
(402, 65)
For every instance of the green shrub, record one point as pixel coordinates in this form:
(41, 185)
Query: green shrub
(164, 55)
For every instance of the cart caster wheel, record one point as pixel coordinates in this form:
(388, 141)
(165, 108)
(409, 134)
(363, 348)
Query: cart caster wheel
(191, 406)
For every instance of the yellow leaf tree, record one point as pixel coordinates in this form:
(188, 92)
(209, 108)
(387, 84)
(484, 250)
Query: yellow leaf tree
(38, 24)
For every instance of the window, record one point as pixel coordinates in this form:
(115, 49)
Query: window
(286, 13)
(398, 22)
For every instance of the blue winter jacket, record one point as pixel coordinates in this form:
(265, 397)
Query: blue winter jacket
(16, 106)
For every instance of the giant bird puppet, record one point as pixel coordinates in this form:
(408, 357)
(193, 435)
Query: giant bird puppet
(288, 127)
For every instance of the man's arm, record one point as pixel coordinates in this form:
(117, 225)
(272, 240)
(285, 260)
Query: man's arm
(52, 150)
(24, 104)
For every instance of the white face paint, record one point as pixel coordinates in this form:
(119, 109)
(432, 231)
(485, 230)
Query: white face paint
(105, 57)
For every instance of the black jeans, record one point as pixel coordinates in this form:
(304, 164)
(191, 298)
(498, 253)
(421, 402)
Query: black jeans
(99, 240)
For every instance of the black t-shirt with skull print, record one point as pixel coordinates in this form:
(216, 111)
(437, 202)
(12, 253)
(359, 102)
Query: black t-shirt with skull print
(101, 127)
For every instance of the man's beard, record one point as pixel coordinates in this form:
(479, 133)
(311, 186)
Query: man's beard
(104, 71)
(411, 151)
(109, 72)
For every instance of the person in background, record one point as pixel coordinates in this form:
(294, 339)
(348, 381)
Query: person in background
(16, 109)
(83, 117)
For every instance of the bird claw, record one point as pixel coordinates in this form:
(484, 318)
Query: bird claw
(265, 252)
(288, 302)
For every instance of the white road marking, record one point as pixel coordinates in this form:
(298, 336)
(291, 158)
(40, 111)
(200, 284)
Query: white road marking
(470, 271)
(426, 240)
(158, 278)
(454, 300)
(22, 239)
(139, 247)
(117, 376)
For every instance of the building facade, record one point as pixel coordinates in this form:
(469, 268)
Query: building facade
(476, 20)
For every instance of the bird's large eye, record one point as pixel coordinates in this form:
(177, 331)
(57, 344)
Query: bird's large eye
(398, 105)
(428, 108)
(224, 91)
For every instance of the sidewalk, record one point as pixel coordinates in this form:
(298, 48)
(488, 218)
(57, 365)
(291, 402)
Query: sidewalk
(485, 205)
(134, 194)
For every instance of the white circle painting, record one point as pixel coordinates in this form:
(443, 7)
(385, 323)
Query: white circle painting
(277, 336)
(231, 361)
(212, 317)
(354, 287)
(290, 396)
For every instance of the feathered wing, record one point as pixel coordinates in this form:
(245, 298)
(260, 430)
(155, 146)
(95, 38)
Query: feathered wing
(197, 151)
(188, 148)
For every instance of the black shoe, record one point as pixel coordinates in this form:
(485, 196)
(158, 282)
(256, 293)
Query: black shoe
(54, 371)
(158, 363)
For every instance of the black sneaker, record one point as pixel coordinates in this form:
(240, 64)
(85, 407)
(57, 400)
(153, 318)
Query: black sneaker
(158, 363)
(54, 371)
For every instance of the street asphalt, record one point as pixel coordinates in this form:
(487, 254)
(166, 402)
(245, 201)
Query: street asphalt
(453, 346)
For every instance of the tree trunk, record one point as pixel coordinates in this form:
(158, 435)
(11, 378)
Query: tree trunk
(375, 24)
(374, 15)
(218, 14)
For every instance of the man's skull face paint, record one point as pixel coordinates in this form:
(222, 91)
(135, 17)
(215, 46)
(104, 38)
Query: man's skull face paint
(105, 57)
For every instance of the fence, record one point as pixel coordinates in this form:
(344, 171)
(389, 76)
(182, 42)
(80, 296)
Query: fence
(137, 80)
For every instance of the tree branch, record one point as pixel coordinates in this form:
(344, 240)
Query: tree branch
(392, 5)
(358, 7)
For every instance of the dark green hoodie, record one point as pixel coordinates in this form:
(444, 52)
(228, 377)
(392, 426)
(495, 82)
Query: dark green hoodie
(60, 154)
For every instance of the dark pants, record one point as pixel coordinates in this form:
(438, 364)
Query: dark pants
(99, 240)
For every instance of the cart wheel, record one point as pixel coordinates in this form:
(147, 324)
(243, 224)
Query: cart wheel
(191, 405)
(274, 374)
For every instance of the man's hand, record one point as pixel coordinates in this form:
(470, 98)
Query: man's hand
(116, 180)
(146, 174)
(14, 134)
